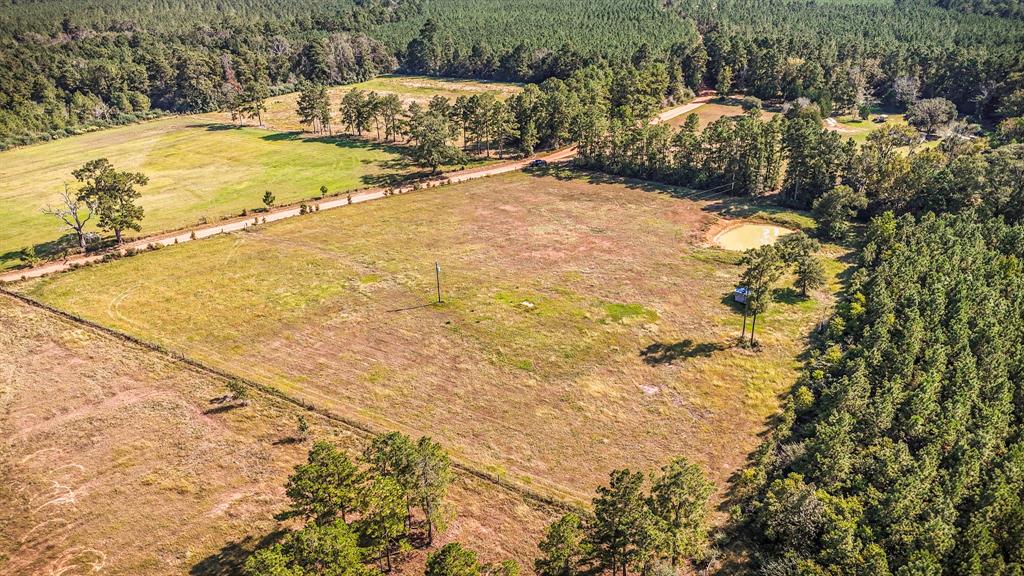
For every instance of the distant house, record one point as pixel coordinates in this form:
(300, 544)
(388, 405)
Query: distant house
(740, 295)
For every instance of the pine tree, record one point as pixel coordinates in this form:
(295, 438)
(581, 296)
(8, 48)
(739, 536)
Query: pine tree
(326, 486)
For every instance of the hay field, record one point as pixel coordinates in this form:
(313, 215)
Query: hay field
(198, 168)
(586, 325)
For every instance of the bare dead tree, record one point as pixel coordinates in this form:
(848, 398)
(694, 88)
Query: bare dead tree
(73, 213)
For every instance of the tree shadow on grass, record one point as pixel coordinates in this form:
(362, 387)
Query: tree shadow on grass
(45, 250)
(574, 173)
(659, 353)
(229, 559)
(288, 441)
(220, 409)
(216, 126)
(729, 299)
(788, 295)
(292, 136)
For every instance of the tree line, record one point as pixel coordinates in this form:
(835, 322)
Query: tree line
(791, 157)
(63, 75)
(899, 450)
(361, 516)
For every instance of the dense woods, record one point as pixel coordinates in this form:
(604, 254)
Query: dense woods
(72, 67)
(899, 451)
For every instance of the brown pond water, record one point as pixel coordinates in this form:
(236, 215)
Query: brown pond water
(745, 236)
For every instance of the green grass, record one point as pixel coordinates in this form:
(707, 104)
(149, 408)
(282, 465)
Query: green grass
(585, 326)
(197, 169)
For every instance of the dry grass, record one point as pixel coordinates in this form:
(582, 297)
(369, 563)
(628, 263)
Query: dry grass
(708, 113)
(281, 110)
(204, 167)
(586, 325)
(114, 460)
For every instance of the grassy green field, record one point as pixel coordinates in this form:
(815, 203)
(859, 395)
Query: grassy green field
(198, 168)
(586, 325)
(110, 449)
(281, 115)
(203, 167)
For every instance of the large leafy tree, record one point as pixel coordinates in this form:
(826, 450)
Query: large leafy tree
(432, 134)
(931, 113)
(834, 209)
(113, 195)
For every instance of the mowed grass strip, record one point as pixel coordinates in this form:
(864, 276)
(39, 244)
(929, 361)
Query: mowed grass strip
(198, 168)
(586, 325)
(115, 460)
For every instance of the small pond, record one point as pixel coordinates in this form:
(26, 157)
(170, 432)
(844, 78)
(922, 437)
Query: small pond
(745, 236)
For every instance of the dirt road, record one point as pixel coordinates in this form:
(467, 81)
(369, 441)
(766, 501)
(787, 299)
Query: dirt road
(683, 108)
(240, 223)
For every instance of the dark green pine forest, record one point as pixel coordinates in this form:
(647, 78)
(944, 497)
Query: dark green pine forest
(68, 66)
(900, 450)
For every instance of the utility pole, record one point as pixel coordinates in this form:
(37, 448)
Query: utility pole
(746, 307)
(437, 274)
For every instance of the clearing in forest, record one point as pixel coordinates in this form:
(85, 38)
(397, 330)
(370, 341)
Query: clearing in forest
(857, 129)
(708, 113)
(587, 322)
(281, 110)
(115, 460)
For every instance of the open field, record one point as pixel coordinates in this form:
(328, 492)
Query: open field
(281, 115)
(586, 324)
(114, 460)
(198, 168)
(708, 113)
(858, 130)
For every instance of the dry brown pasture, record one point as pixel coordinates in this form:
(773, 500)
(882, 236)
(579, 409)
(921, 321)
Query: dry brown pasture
(113, 460)
(586, 322)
